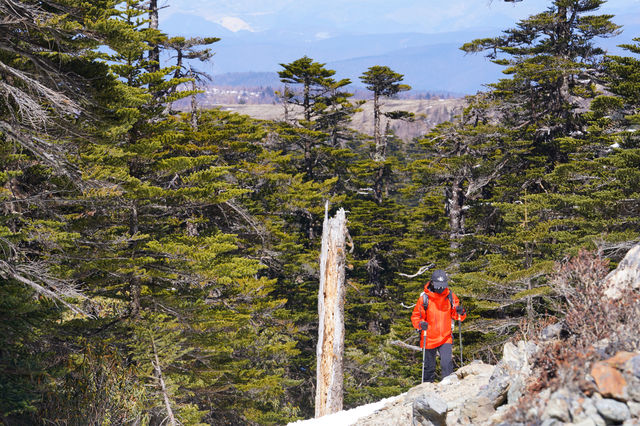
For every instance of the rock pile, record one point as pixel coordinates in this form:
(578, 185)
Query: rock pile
(434, 404)
(476, 394)
(482, 394)
(612, 398)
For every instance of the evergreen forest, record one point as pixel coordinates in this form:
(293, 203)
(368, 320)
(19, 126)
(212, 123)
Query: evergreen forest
(160, 266)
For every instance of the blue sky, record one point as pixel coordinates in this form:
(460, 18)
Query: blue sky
(326, 18)
(417, 38)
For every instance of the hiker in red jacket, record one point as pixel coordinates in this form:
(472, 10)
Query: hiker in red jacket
(434, 324)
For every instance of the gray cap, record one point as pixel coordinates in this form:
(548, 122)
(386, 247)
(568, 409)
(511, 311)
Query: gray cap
(439, 279)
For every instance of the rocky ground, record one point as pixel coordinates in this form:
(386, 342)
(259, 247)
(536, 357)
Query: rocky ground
(482, 394)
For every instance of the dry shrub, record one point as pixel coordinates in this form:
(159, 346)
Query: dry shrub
(595, 322)
(595, 328)
(579, 282)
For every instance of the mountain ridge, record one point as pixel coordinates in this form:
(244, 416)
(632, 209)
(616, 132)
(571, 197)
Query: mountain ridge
(430, 62)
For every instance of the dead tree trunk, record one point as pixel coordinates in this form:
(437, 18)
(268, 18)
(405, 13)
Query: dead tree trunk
(163, 386)
(154, 53)
(331, 314)
(456, 206)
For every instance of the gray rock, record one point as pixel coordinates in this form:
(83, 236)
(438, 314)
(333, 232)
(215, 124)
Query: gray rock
(586, 422)
(557, 408)
(449, 380)
(625, 276)
(601, 348)
(478, 410)
(516, 389)
(551, 422)
(530, 348)
(506, 383)
(476, 368)
(551, 332)
(633, 388)
(516, 358)
(634, 409)
(429, 408)
(589, 413)
(634, 364)
(612, 410)
(496, 390)
(532, 413)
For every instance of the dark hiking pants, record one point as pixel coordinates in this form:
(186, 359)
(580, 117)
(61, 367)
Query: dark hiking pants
(446, 362)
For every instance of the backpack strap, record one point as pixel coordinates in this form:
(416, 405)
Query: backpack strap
(425, 302)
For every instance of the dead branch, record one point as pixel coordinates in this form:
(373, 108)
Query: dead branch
(55, 289)
(163, 386)
(421, 271)
(406, 345)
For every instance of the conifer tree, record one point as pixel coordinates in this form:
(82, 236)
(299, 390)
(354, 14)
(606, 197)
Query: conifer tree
(325, 110)
(51, 78)
(594, 195)
(550, 58)
(383, 82)
(460, 161)
(316, 83)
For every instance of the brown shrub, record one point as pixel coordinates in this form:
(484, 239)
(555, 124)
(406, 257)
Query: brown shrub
(596, 323)
(596, 328)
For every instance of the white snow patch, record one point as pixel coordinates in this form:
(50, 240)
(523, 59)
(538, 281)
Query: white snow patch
(234, 24)
(347, 417)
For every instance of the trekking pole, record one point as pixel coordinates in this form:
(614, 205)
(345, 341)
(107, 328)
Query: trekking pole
(460, 338)
(424, 352)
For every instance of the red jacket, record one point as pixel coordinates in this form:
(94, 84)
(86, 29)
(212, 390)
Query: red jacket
(439, 315)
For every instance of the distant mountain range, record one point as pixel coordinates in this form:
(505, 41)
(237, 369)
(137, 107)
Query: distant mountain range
(430, 62)
(260, 87)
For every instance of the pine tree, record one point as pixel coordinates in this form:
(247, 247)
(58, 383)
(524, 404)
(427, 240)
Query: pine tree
(551, 59)
(316, 85)
(326, 108)
(383, 82)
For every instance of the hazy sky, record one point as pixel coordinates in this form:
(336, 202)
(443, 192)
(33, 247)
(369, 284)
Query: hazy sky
(326, 18)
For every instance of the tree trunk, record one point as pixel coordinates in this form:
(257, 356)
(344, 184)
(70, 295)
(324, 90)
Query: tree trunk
(306, 100)
(163, 386)
(194, 105)
(134, 280)
(154, 53)
(376, 129)
(456, 215)
(331, 295)
(380, 154)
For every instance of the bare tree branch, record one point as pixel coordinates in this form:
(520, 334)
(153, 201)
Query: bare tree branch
(421, 271)
(55, 289)
(406, 345)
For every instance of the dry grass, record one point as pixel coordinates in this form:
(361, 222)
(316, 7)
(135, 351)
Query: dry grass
(428, 113)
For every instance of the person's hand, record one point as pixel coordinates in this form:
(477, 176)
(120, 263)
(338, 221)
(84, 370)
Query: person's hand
(460, 310)
(424, 325)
